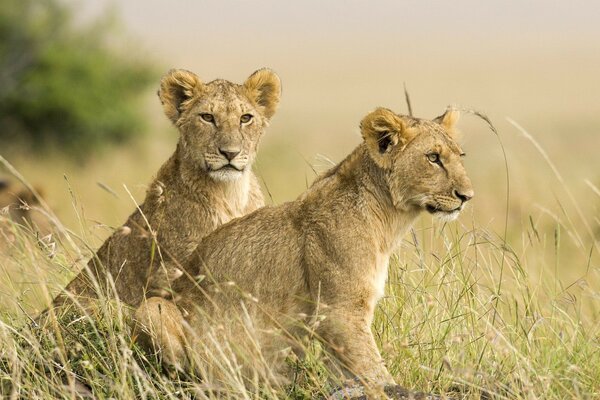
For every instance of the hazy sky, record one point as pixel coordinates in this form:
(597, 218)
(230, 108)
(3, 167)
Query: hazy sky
(200, 25)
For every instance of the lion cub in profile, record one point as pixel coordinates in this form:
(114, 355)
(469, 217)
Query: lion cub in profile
(260, 280)
(206, 182)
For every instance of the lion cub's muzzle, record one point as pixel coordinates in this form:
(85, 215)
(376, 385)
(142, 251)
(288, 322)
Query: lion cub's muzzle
(226, 165)
(448, 207)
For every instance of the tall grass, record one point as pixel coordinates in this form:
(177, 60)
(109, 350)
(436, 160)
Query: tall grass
(450, 321)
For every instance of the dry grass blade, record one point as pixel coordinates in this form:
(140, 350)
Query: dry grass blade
(583, 219)
(408, 103)
(491, 126)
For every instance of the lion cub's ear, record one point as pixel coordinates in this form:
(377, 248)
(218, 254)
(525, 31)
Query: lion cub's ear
(382, 131)
(263, 88)
(448, 120)
(176, 87)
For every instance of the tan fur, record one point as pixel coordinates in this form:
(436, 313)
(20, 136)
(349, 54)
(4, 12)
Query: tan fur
(322, 258)
(197, 189)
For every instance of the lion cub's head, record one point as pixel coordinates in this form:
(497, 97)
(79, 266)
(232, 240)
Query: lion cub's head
(220, 122)
(420, 160)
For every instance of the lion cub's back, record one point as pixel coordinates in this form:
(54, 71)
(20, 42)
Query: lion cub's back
(258, 252)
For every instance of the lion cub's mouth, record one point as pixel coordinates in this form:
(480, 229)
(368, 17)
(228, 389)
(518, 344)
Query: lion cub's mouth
(433, 209)
(227, 172)
(444, 215)
(229, 167)
(226, 168)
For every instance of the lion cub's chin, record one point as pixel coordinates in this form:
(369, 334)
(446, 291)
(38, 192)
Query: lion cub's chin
(226, 174)
(447, 216)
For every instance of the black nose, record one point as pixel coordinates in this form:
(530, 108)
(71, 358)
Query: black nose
(229, 155)
(466, 196)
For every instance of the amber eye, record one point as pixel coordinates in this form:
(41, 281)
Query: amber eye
(433, 158)
(208, 117)
(244, 119)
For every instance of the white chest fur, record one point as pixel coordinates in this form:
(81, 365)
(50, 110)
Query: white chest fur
(234, 199)
(380, 276)
(237, 193)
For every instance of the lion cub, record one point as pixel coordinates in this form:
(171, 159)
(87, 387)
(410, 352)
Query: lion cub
(206, 182)
(260, 281)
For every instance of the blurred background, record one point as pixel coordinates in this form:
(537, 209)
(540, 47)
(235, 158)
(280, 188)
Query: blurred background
(80, 120)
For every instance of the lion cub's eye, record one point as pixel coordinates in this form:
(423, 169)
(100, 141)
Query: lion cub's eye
(208, 117)
(244, 119)
(433, 158)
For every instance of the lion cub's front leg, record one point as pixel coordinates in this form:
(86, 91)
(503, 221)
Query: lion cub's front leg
(160, 325)
(347, 334)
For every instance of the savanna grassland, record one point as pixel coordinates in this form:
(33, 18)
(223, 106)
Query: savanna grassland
(503, 303)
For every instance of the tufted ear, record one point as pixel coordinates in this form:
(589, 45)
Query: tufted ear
(263, 88)
(448, 120)
(177, 87)
(382, 131)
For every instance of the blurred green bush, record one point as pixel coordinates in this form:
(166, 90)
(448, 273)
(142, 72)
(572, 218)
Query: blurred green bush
(65, 87)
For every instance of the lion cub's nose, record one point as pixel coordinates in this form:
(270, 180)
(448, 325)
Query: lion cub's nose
(464, 195)
(229, 154)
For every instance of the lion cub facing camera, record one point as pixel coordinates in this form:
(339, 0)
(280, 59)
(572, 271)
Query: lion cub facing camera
(261, 280)
(205, 183)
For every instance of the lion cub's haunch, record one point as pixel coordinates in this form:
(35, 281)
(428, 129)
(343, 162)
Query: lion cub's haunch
(206, 182)
(323, 257)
